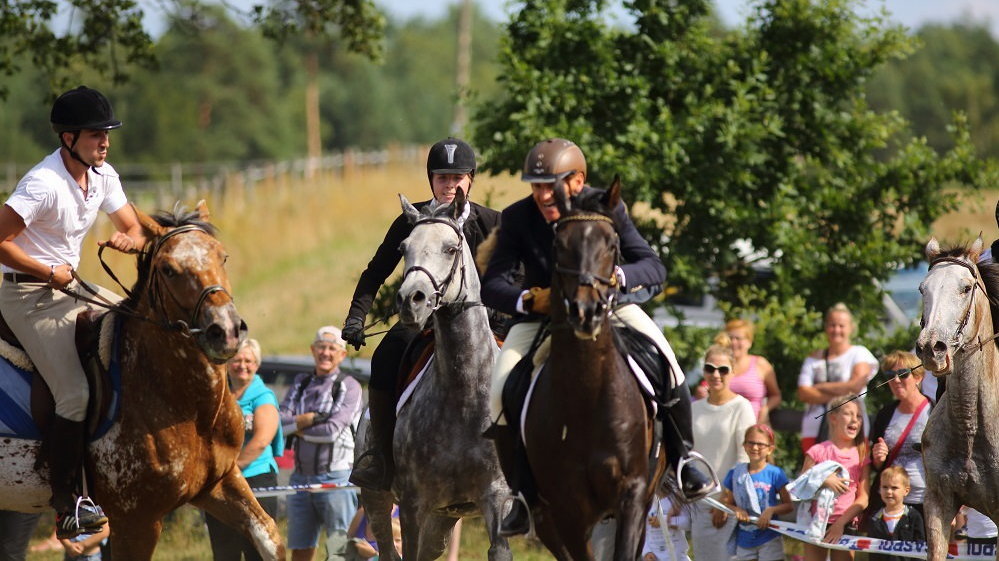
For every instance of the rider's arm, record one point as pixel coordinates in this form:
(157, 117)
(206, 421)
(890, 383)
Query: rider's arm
(130, 235)
(642, 266)
(385, 260)
(498, 288)
(11, 225)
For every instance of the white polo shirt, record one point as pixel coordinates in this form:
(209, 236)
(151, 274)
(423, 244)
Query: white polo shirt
(56, 214)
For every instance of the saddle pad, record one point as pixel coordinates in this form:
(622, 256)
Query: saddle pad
(407, 392)
(640, 376)
(15, 397)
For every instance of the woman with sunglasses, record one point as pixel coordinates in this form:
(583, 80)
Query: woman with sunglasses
(720, 421)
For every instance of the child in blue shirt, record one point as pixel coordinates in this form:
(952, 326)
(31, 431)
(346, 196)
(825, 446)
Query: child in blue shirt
(757, 488)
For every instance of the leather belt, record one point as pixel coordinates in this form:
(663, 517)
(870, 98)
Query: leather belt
(23, 277)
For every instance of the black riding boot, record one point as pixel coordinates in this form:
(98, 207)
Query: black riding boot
(63, 450)
(376, 466)
(513, 462)
(678, 440)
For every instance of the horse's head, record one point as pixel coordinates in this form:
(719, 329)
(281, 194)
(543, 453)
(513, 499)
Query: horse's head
(587, 248)
(953, 310)
(183, 284)
(439, 265)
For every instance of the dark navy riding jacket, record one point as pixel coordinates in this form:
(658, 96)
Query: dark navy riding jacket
(481, 220)
(526, 238)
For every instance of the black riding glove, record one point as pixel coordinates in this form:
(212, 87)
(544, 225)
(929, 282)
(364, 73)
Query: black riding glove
(319, 418)
(353, 332)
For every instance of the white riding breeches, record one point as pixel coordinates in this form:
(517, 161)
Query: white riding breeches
(518, 343)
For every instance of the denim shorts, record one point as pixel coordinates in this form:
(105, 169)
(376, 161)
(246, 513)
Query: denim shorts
(330, 510)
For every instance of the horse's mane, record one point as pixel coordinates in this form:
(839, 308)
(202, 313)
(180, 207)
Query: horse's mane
(989, 271)
(179, 217)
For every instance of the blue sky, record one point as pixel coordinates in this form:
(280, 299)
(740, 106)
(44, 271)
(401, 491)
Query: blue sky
(911, 13)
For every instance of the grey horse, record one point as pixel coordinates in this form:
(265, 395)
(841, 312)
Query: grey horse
(445, 469)
(961, 440)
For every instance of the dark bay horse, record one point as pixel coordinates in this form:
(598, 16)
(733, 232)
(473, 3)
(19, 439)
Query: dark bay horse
(179, 429)
(445, 470)
(588, 432)
(961, 439)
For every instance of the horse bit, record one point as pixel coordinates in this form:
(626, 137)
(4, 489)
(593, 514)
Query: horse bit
(958, 335)
(179, 325)
(589, 278)
(440, 289)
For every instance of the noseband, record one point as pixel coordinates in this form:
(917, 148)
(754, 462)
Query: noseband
(441, 288)
(590, 278)
(959, 334)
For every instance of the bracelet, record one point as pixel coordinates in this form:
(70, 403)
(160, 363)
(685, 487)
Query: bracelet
(51, 274)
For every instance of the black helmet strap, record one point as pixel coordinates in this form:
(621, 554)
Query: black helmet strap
(72, 147)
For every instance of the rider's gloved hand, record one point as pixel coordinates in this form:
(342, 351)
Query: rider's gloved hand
(538, 301)
(353, 332)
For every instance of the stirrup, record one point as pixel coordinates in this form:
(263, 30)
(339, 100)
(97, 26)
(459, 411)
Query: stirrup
(519, 498)
(689, 458)
(85, 518)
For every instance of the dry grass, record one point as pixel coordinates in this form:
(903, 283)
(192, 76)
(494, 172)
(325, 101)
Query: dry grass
(297, 247)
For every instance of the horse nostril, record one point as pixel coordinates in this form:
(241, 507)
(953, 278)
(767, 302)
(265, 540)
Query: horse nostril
(419, 297)
(939, 347)
(215, 333)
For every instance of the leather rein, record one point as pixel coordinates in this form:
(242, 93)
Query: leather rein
(155, 287)
(979, 285)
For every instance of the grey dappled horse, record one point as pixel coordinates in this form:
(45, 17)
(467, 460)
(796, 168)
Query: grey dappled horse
(961, 439)
(445, 469)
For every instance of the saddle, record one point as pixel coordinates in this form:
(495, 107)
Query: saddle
(40, 404)
(637, 350)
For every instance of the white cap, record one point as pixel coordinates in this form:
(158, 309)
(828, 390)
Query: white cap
(330, 334)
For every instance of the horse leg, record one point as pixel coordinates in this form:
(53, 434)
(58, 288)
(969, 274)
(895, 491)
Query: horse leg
(134, 539)
(434, 536)
(232, 502)
(378, 508)
(548, 534)
(492, 512)
(630, 522)
(410, 521)
(940, 510)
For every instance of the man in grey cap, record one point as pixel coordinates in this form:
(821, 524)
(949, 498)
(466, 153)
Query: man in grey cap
(321, 409)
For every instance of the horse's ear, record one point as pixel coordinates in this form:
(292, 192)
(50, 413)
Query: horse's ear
(932, 249)
(150, 227)
(409, 210)
(976, 249)
(560, 190)
(458, 205)
(613, 195)
(202, 209)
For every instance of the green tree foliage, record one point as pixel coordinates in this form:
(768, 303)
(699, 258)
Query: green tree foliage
(108, 35)
(956, 69)
(759, 135)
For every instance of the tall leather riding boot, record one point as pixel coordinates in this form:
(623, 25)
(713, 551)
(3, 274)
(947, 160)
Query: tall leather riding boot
(513, 462)
(678, 440)
(376, 466)
(64, 449)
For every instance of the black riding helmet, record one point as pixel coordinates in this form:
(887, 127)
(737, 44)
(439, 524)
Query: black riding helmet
(82, 108)
(448, 156)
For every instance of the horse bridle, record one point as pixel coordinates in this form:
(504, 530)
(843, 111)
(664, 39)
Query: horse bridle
(441, 288)
(179, 325)
(589, 278)
(978, 285)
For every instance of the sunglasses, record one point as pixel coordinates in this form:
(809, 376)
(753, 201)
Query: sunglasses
(721, 370)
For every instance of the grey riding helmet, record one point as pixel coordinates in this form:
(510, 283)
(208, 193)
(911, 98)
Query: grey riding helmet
(450, 156)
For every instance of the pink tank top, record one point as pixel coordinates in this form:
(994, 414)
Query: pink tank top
(750, 385)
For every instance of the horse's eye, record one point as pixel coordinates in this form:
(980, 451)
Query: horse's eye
(452, 250)
(966, 289)
(168, 271)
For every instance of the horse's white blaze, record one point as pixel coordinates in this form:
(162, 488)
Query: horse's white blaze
(191, 253)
